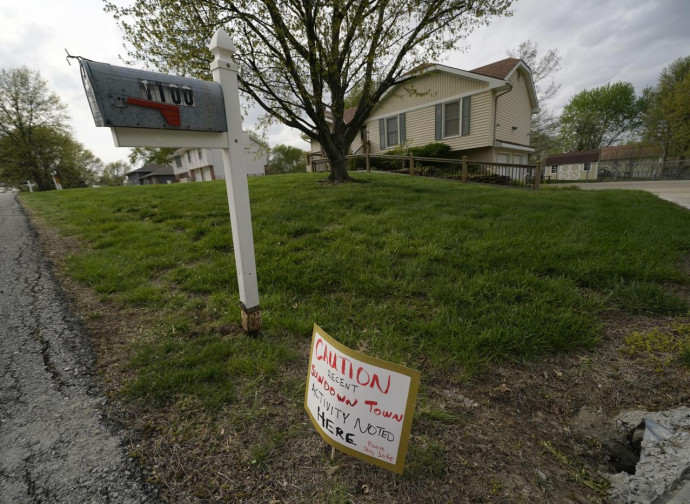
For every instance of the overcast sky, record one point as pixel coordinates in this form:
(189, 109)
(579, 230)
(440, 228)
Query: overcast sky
(599, 41)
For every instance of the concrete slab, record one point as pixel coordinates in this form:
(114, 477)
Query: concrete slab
(675, 191)
(660, 475)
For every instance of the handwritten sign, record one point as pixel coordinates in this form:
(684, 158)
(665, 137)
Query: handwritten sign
(360, 405)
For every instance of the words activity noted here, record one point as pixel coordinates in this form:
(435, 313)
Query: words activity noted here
(359, 404)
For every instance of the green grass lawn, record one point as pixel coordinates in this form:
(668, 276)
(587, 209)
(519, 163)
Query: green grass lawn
(440, 276)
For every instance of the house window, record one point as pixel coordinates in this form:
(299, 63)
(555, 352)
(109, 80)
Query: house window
(199, 151)
(517, 158)
(503, 158)
(189, 157)
(587, 166)
(392, 131)
(554, 168)
(178, 162)
(451, 119)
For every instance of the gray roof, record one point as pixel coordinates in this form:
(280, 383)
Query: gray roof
(148, 168)
(161, 172)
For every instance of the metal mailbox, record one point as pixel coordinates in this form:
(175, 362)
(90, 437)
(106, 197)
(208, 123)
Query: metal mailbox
(122, 97)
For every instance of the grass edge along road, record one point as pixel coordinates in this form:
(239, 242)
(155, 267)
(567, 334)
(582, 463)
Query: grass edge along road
(435, 275)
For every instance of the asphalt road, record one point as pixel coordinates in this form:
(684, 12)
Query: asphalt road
(56, 445)
(676, 191)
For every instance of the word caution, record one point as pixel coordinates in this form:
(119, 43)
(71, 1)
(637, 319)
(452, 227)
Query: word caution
(358, 404)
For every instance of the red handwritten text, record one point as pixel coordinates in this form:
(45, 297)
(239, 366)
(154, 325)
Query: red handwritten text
(345, 366)
(330, 389)
(383, 413)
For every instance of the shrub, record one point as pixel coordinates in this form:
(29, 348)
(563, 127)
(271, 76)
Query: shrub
(432, 150)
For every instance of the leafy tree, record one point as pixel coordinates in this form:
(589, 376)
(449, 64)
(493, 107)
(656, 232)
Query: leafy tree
(77, 166)
(601, 117)
(141, 156)
(287, 159)
(114, 174)
(32, 128)
(355, 94)
(667, 115)
(299, 59)
(544, 123)
(49, 152)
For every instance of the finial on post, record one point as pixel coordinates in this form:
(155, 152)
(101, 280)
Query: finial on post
(221, 47)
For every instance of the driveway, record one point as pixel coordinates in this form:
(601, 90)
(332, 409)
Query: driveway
(676, 191)
(56, 443)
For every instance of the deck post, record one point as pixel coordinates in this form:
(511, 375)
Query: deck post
(537, 176)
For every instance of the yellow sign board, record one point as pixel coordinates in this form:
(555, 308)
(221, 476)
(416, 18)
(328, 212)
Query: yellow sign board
(360, 405)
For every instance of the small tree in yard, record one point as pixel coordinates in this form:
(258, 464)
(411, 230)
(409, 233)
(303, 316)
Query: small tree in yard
(299, 59)
(287, 159)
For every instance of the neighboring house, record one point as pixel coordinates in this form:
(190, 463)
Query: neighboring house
(163, 175)
(582, 165)
(629, 161)
(134, 177)
(202, 165)
(484, 113)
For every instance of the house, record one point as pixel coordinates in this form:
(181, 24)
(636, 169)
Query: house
(582, 165)
(630, 161)
(150, 174)
(202, 165)
(623, 161)
(163, 175)
(484, 113)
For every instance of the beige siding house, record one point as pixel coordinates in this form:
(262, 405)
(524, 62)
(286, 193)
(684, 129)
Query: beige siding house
(581, 165)
(483, 113)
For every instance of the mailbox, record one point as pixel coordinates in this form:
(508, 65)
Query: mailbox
(122, 97)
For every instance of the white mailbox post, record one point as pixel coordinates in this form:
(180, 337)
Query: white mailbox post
(148, 109)
(224, 71)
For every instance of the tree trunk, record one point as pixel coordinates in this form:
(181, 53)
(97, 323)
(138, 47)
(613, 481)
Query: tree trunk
(338, 164)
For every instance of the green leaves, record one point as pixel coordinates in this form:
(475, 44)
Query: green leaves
(600, 117)
(667, 118)
(34, 137)
(298, 60)
(287, 159)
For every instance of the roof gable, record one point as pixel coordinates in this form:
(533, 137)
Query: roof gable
(495, 75)
(499, 69)
(430, 84)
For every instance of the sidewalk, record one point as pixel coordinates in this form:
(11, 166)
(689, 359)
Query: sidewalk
(675, 191)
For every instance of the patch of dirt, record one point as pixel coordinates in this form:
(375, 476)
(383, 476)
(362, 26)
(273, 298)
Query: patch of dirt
(521, 432)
